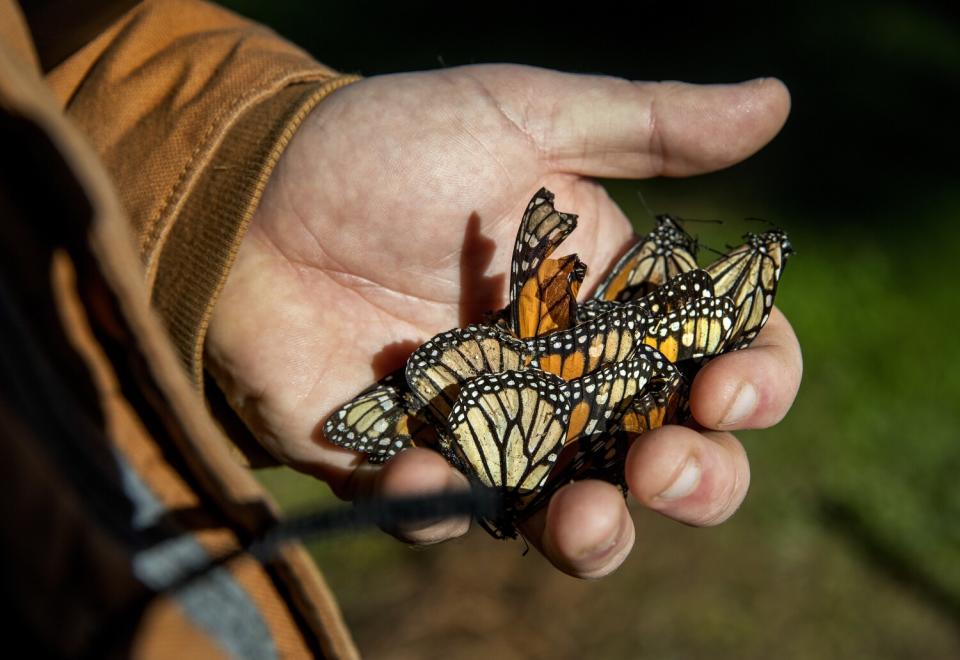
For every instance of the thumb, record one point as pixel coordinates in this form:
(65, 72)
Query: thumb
(611, 127)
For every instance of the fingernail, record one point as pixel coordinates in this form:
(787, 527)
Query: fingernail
(744, 403)
(684, 484)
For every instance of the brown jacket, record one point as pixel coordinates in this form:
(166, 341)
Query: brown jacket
(134, 146)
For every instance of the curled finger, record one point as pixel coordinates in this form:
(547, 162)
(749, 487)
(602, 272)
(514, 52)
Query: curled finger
(696, 478)
(421, 472)
(753, 388)
(586, 531)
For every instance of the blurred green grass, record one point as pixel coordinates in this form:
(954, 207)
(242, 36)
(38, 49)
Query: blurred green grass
(872, 442)
(848, 544)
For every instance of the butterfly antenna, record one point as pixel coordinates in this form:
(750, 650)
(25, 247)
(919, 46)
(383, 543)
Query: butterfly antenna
(646, 207)
(714, 250)
(761, 220)
(683, 221)
(526, 546)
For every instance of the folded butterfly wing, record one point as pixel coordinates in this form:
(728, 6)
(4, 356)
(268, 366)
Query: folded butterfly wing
(542, 229)
(437, 371)
(508, 428)
(749, 275)
(664, 253)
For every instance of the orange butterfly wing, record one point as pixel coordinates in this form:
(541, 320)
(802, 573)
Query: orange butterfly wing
(548, 301)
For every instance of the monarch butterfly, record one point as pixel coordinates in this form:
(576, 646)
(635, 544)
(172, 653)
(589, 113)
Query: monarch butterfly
(749, 275)
(542, 229)
(677, 292)
(584, 348)
(507, 430)
(592, 309)
(606, 457)
(671, 295)
(602, 456)
(700, 328)
(437, 370)
(642, 390)
(661, 404)
(664, 253)
(379, 421)
(599, 400)
(548, 301)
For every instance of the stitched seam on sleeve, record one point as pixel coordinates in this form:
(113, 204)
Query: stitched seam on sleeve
(205, 145)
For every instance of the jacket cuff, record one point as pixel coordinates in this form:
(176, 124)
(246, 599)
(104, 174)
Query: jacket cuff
(196, 257)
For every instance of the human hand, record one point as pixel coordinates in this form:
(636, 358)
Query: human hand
(391, 217)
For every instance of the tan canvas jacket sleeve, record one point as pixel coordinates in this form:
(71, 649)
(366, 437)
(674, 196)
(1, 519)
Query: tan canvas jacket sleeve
(189, 107)
(91, 367)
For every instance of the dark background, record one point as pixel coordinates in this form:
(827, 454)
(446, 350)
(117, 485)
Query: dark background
(849, 543)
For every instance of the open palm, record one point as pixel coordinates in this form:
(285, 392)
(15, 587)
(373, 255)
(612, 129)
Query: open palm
(391, 217)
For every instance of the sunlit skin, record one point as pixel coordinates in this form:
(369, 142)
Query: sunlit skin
(391, 217)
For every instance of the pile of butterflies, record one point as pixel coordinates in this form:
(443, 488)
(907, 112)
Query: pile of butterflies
(549, 390)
